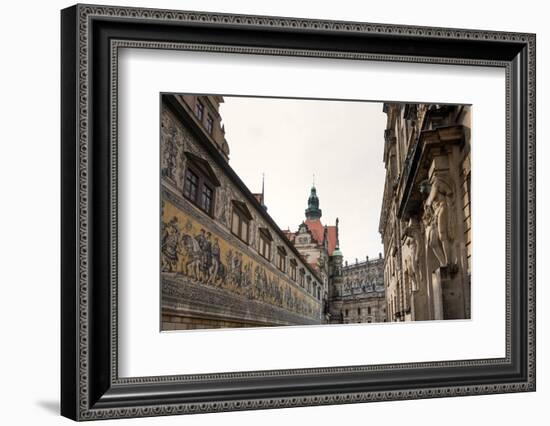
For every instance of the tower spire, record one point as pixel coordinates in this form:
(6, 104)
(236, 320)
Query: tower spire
(313, 212)
(337, 251)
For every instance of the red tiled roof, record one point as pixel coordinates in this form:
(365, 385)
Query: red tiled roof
(317, 230)
(331, 239)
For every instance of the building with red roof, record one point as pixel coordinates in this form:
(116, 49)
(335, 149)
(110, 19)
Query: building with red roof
(351, 293)
(317, 243)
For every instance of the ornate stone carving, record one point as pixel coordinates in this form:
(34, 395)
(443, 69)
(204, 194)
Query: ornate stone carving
(439, 221)
(411, 254)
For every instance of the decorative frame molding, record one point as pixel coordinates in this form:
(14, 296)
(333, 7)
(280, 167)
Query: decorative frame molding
(91, 37)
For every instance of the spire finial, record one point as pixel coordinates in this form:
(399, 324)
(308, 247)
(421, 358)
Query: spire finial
(313, 181)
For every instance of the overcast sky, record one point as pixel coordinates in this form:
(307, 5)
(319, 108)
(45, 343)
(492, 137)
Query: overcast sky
(290, 140)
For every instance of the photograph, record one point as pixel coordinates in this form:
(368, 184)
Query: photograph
(296, 212)
(267, 209)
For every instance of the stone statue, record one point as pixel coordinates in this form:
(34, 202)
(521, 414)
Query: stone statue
(411, 254)
(439, 220)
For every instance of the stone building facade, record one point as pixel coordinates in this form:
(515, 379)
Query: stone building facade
(352, 293)
(224, 261)
(425, 217)
(358, 292)
(316, 243)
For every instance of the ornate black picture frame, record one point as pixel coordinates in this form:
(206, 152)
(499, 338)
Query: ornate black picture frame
(91, 36)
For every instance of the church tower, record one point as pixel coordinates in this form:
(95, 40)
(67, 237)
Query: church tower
(313, 212)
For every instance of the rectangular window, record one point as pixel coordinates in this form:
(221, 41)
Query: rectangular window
(235, 223)
(244, 230)
(302, 277)
(368, 310)
(199, 110)
(191, 185)
(281, 258)
(206, 200)
(239, 225)
(209, 123)
(265, 247)
(293, 269)
(200, 182)
(264, 244)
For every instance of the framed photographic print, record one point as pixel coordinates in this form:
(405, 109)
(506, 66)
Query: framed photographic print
(263, 212)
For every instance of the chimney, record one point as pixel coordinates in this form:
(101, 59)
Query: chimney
(367, 258)
(356, 261)
(379, 255)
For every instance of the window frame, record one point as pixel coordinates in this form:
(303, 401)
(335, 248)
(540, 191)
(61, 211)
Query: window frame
(209, 124)
(209, 188)
(302, 280)
(244, 217)
(264, 243)
(293, 269)
(189, 172)
(199, 110)
(281, 259)
(202, 182)
(206, 177)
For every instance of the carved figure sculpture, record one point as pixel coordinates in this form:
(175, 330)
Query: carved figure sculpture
(411, 255)
(439, 220)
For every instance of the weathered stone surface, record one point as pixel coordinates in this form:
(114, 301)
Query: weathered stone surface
(212, 272)
(425, 217)
(358, 294)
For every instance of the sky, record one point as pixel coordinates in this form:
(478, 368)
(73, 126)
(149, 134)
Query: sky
(290, 140)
